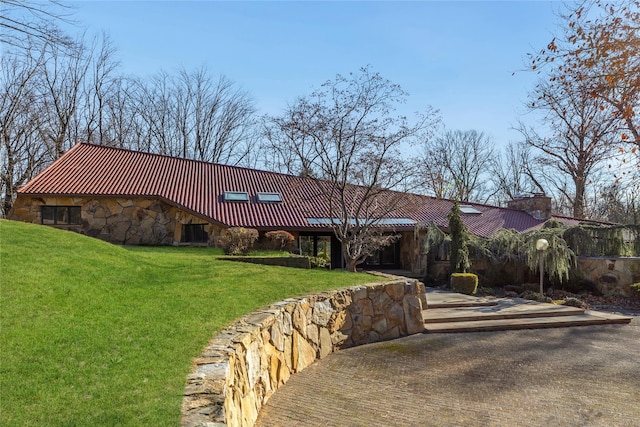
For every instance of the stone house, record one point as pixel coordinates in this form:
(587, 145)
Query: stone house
(135, 198)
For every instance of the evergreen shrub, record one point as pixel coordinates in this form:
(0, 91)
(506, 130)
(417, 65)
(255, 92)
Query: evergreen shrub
(465, 283)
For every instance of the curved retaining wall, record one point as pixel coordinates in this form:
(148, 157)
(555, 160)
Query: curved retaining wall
(247, 362)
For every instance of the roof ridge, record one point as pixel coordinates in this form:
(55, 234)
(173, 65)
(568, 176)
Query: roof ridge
(182, 159)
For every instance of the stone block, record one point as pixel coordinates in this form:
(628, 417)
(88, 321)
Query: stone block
(156, 207)
(253, 363)
(379, 324)
(381, 302)
(288, 352)
(348, 322)
(365, 306)
(249, 410)
(118, 228)
(366, 322)
(395, 315)
(163, 218)
(413, 314)
(278, 371)
(337, 320)
(339, 338)
(299, 317)
(358, 335)
(341, 299)
(112, 206)
(322, 312)
(277, 335)
(326, 344)
(391, 334)
(303, 353)
(395, 290)
(312, 334)
(360, 293)
(125, 203)
(260, 319)
(372, 337)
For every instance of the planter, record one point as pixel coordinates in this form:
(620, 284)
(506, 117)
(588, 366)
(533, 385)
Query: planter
(464, 283)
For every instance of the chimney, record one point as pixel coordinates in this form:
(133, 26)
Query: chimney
(537, 205)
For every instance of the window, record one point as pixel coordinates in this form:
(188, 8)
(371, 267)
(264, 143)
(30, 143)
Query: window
(269, 198)
(194, 233)
(236, 196)
(385, 257)
(61, 215)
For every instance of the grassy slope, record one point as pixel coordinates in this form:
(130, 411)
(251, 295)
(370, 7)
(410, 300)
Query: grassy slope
(96, 334)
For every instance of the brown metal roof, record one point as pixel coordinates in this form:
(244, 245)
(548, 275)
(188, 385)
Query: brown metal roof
(97, 171)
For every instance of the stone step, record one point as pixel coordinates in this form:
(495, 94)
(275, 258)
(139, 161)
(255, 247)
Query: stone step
(586, 319)
(515, 308)
(444, 299)
(460, 303)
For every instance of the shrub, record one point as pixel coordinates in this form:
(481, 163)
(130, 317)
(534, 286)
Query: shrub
(636, 287)
(536, 296)
(574, 302)
(319, 262)
(237, 240)
(280, 239)
(466, 283)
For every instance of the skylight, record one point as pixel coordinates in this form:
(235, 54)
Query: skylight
(236, 196)
(269, 197)
(466, 209)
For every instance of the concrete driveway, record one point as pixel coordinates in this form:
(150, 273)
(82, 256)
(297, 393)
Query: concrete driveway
(577, 376)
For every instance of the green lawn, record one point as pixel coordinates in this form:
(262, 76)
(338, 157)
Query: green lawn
(93, 334)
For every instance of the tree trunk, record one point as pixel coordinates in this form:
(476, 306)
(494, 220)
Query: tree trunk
(351, 265)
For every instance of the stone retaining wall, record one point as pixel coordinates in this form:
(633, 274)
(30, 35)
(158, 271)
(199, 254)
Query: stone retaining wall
(247, 362)
(611, 275)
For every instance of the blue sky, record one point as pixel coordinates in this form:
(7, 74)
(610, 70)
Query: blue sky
(455, 56)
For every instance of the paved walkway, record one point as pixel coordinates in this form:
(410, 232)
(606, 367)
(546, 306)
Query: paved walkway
(577, 376)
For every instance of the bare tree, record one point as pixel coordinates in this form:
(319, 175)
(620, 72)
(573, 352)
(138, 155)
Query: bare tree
(285, 149)
(616, 203)
(22, 151)
(456, 163)
(99, 85)
(60, 83)
(581, 132)
(24, 23)
(344, 138)
(513, 173)
(193, 115)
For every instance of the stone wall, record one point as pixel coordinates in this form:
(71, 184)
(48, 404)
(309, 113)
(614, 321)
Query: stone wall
(117, 220)
(247, 362)
(612, 276)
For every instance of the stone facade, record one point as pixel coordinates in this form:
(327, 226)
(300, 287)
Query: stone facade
(612, 276)
(117, 220)
(247, 362)
(412, 254)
